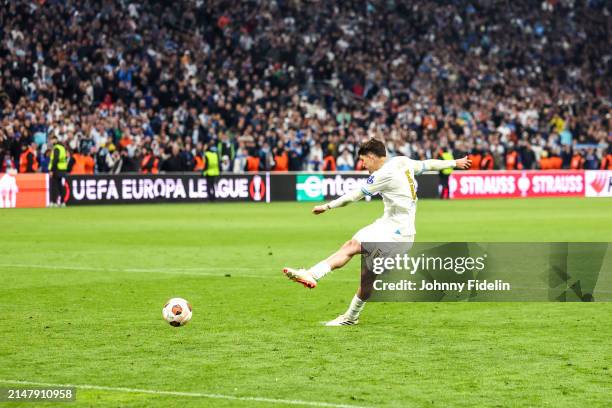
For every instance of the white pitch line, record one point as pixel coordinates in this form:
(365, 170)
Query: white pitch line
(93, 268)
(185, 394)
(190, 272)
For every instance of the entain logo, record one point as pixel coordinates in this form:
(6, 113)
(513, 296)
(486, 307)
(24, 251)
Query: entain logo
(309, 188)
(318, 187)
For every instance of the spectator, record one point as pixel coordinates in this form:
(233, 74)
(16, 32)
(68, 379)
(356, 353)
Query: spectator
(80, 163)
(114, 162)
(420, 75)
(281, 158)
(528, 158)
(577, 162)
(315, 158)
(149, 163)
(45, 161)
(513, 160)
(240, 163)
(225, 164)
(199, 158)
(172, 161)
(329, 163)
(476, 157)
(566, 156)
(266, 157)
(606, 163)
(591, 162)
(28, 163)
(7, 164)
(345, 162)
(187, 158)
(555, 161)
(545, 163)
(225, 147)
(127, 163)
(487, 161)
(253, 162)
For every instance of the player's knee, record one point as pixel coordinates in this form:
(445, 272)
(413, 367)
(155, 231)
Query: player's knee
(353, 246)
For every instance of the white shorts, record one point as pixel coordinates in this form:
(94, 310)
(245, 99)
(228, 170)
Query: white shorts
(382, 239)
(382, 230)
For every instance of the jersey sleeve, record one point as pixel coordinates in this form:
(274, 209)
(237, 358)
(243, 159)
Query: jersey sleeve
(376, 183)
(418, 166)
(438, 164)
(406, 163)
(349, 197)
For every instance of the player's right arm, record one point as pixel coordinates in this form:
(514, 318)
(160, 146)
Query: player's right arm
(376, 183)
(346, 199)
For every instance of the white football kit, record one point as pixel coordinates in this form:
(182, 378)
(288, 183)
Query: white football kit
(392, 234)
(395, 181)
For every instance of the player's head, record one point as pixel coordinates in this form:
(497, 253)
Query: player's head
(373, 154)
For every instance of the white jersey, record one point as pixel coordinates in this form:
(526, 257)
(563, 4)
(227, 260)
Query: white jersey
(395, 181)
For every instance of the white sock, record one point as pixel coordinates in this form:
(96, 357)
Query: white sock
(355, 308)
(320, 270)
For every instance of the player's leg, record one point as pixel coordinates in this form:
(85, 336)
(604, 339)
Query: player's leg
(346, 252)
(388, 242)
(351, 316)
(309, 277)
(366, 284)
(337, 260)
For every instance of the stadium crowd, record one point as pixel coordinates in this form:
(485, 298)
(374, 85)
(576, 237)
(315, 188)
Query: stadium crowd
(283, 85)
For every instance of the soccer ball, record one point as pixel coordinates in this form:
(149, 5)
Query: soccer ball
(177, 312)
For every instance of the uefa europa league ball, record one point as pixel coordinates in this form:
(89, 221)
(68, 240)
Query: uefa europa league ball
(177, 312)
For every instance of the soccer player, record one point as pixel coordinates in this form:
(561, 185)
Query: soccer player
(393, 178)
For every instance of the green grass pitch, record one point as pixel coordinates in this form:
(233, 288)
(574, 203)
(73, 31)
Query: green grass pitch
(82, 290)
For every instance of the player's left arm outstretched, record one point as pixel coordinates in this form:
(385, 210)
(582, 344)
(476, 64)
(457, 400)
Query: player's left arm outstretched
(436, 165)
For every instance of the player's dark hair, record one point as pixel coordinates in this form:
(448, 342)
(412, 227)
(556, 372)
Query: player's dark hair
(376, 147)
